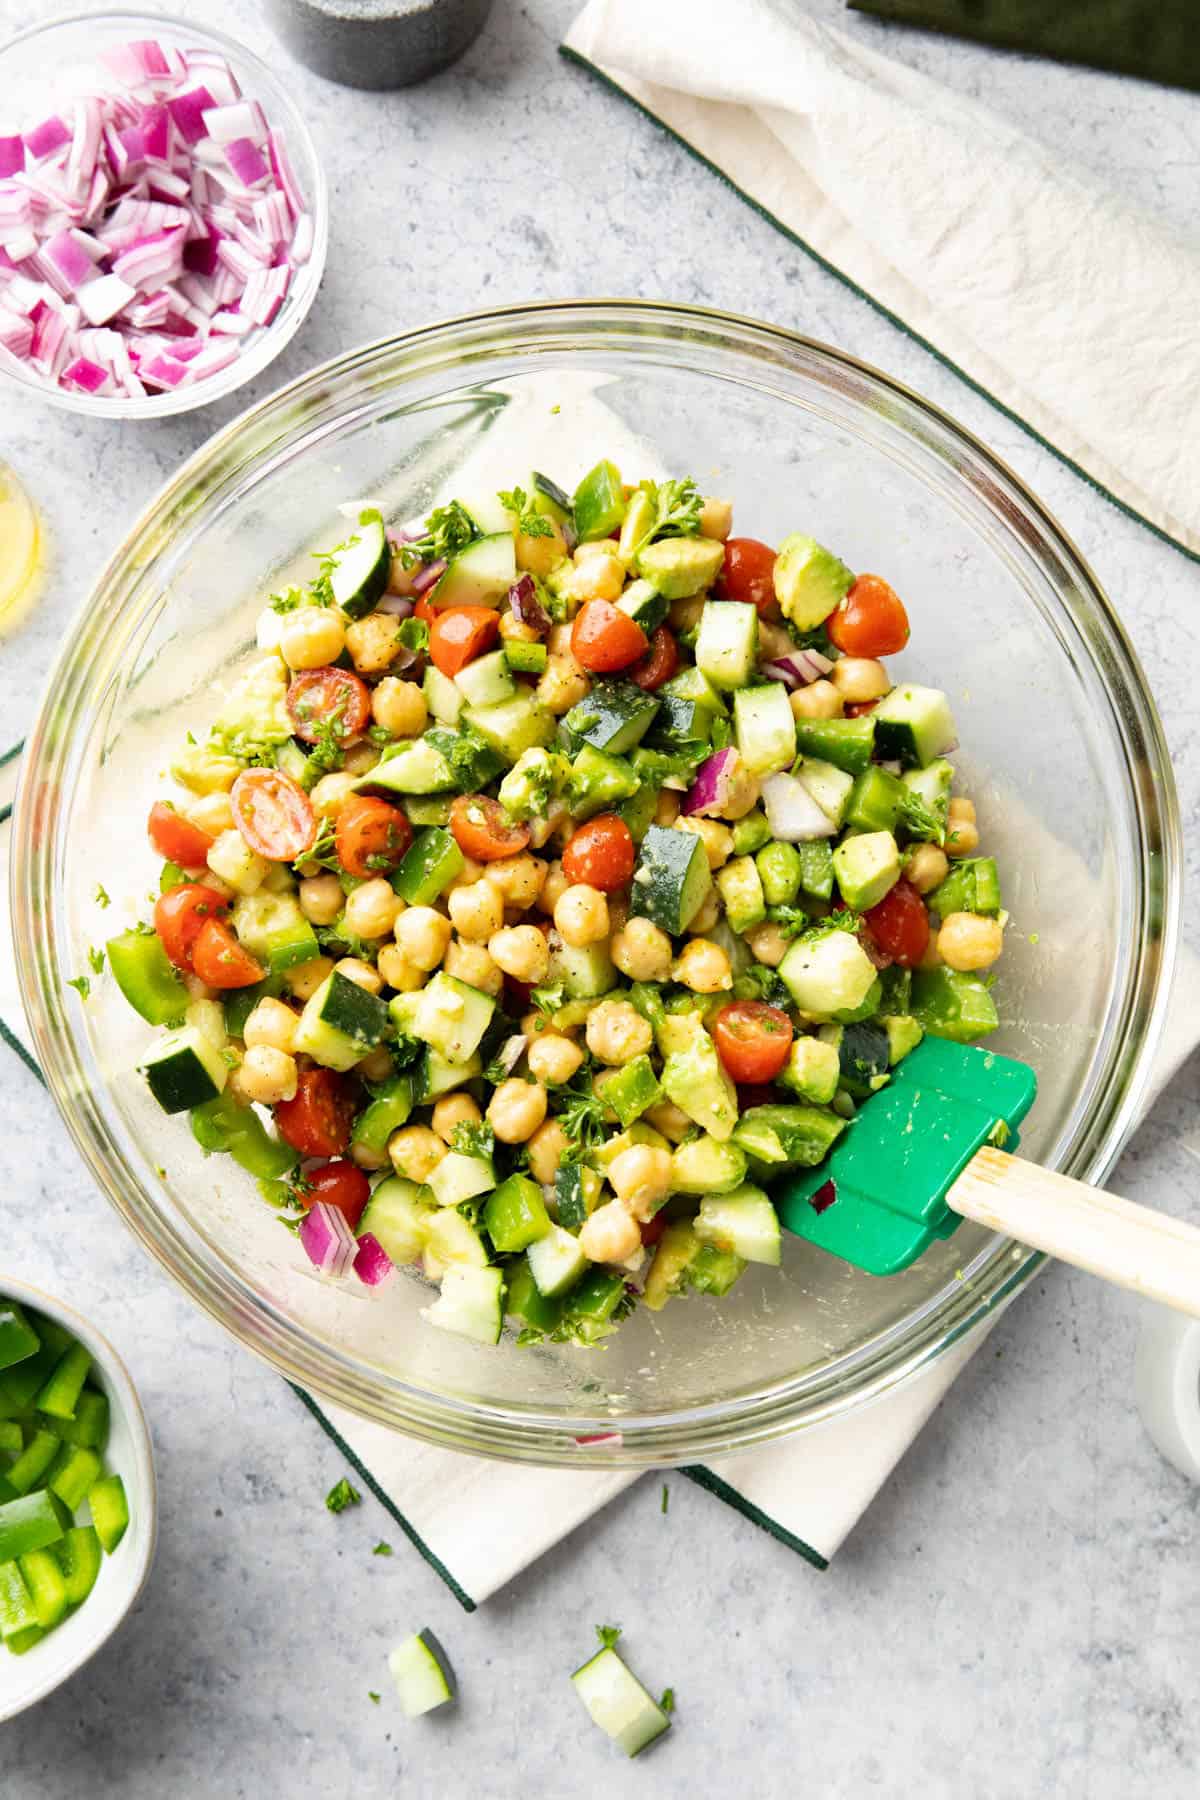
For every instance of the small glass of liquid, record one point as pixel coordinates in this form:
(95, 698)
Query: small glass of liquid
(20, 543)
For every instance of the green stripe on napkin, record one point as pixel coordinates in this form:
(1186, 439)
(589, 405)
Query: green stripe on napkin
(1157, 39)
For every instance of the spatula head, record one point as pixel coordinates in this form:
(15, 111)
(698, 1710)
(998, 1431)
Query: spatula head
(892, 1169)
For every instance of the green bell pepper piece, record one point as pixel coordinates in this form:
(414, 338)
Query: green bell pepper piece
(223, 1125)
(952, 1005)
(816, 869)
(972, 886)
(28, 1522)
(389, 1109)
(590, 1306)
(43, 1576)
(632, 1089)
(11, 1436)
(172, 876)
(515, 1214)
(89, 1426)
(144, 974)
(17, 1612)
(110, 1511)
(523, 1300)
(79, 1558)
(60, 1395)
(431, 863)
(22, 1381)
(73, 1474)
(599, 503)
(18, 1339)
(34, 1460)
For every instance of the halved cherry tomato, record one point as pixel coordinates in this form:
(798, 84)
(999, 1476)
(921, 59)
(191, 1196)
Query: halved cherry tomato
(483, 829)
(370, 836)
(748, 572)
(601, 853)
(176, 839)
(220, 960)
(460, 634)
(659, 663)
(603, 638)
(900, 924)
(753, 1040)
(318, 696)
(855, 709)
(341, 1184)
(870, 621)
(180, 915)
(652, 1229)
(273, 814)
(318, 1122)
(425, 611)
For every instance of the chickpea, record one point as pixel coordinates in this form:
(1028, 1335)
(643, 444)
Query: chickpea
(213, 814)
(961, 834)
(596, 577)
(367, 1159)
(330, 792)
(271, 1023)
(641, 951)
(415, 1151)
(553, 1059)
(321, 898)
(399, 706)
(311, 637)
(670, 1119)
(562, 684)
(545, 1151)
(266, 1076)
(472, 964)
(398, 972)
(376, 1066)
(372, 909)
(581, 915)
(666, 809)
(926, 868)
(522, 952)
(541, 554)
(819, 700)
(966, 941)
(518, 879)
(516, 631)
(708, 914)
(362, 974)
(306, 978)
(768, 945)
(641, 1179)
(616, 1032)
(716, 838)
(608, 546)
(422, 936)
(704, 967)
(373, 642)
(553, 888)
(453, 1110)
(477, 911)
(611, 1234)
(685, 614)
(517, 1109)
(860, 678)
(716, 518)
(558, 641)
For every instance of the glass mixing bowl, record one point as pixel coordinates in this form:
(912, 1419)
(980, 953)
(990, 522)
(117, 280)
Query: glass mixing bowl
(1061, 749)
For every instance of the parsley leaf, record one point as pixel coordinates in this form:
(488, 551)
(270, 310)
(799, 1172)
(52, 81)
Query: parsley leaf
(82, 986)
(581, 1115)
(548, 999)
(96, 960)
(448, 531)
(758, 982)
(529, 523)
(382, 1549)
(102, 898)
(919, 820)
(342, 1495)
(290, 599)
(473, 1138)
(677, 507)
(414, 635)
(608, 1635)
(372, 1695)
(327, 752)
(666, 1497)
(794, 922)
(667, 1703)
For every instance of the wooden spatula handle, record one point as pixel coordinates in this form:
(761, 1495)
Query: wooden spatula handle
(1145, 1251)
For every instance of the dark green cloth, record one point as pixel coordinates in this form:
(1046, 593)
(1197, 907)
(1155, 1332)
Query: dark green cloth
(1157, 39)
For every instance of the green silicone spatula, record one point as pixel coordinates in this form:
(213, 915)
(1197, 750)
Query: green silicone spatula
(923, 1154)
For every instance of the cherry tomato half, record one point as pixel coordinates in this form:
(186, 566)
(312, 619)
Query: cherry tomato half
(341, 1184)
(753, 1040)
(220, 960)
(460, 634)
(425, 611)
(273, 814)
(603, 638)
(318, 696)
(870, 621)
(900, 924)
(659, 663)
(748, 573)
(601, 853)
(370, 835)
(318, 1122)
(176, 839)
(652, 1229)
(180, 915)
(855, 709)
(483, 829)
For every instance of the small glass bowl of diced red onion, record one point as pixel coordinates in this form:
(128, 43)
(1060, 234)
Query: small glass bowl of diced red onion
(163, 215)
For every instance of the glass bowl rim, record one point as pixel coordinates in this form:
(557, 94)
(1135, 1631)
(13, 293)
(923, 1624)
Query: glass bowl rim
(721, 1426)
(272, 339)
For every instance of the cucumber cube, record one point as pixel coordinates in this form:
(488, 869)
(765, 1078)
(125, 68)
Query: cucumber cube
(431, 863)
(829, 786)
(765, 728)
(727, 644)
(471, 1303)
(458, 1178)
(598, 782)
(672, 879)
(419, 768)
(185, 1070)
(420, 1678)
(442, 696)
(486, 681)
(615, 716)
(398, 1215)
(514, 726)
(479, 575)
(618, 1703)
(913, 725)
(451, 1016)
(341, 1023)
(846, 743)
(555, 1261)
(743, 1222)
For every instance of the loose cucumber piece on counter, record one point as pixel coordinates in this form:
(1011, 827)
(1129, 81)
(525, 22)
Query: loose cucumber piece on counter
(360, 568)
(421, 1681)
(618, 1703)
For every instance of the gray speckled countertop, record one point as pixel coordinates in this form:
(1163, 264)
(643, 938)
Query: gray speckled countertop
(1016, 1614)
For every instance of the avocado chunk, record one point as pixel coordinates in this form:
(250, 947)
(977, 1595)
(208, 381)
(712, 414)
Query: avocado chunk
(866, 868)
(693, 1077)
(828, 974)
(255, 714)
(812, 1070)
(707, 1167)
(903, 1034)
(809, 581)
(535, 779)
(598, 782)
(681, 566)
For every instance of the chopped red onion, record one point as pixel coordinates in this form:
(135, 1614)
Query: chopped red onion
(396, 606)
(600, 1440)
(792, 813)
(88, 376)
(429, 576)
(12, 156)
(798, 668)
(710, 791)
(46, 138)
(527, 609)
(511, 1052)
(187, 113)
(824, 1197)
(328, 1241)
(372, 1264)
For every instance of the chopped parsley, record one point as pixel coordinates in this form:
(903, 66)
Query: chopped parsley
(448, 531)
(372, 1695)
(608, 1635)
(95, 960)
(677, 506)
(382, 1549)
(101, 896)
(529, 523)
(414, 635)
(82, 986)
(666, 1497)
(581, 1115)
(548, 999)
(342, 1495)
(473, 1138)
(289, 601)
(667, 1703)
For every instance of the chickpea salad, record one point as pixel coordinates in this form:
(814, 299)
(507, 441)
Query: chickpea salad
(563, 870)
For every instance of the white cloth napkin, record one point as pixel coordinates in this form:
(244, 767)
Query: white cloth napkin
(975, 238)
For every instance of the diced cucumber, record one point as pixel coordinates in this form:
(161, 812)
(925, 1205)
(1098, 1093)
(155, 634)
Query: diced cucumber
(443, 696)
(811, 1071)
(459, 1177)
(576, 1191)
(727, 644)
(681, 720)
(540, 1312)
(866, 868)
(486, 681)
(643, 602)
(630, 1090)
(449, 1015)
(420, 1679)
(672, 878)
(673, 1257)
(398, 1214)
(743, 1222)
(913, 725)
(388, 1111)
(618, 1703)
(451, 1242)
(471, 1303)
(741, 889)
(359, 570)
(185, 1070)
(638, 811)
(810, 582)
(439, 1076)
(973, 885)
(846, 743)
(426, 809)
(431, 863)
(875, 801)
(341, 1023)
(863, 1058)
(707, 1167)
(548, 498)
(268, 924)
(765, 728)
(480, 575)
(827, 974)
(555, 1261)
(829, 786)
(693, 684)
(932, 786)
(514, 726)
(615, 716)
(816, 869)
(598, 782)
(515, 1215)
(599, 503)
(417, 768)
(681, 566)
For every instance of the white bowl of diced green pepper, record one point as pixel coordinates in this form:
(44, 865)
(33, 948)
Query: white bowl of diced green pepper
(78, 1514)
